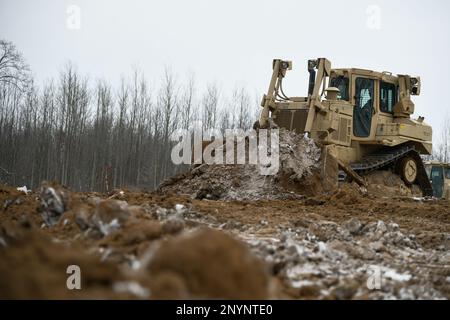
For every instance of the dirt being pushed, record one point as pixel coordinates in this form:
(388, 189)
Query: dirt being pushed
(385, 182)
(298, 175)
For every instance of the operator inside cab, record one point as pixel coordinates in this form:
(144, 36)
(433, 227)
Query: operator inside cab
(341, 83)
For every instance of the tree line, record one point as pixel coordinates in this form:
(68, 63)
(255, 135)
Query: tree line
(92, 136)
(95, 137)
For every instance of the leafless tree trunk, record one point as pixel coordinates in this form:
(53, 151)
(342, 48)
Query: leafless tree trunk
(13, 69)
(210, 103)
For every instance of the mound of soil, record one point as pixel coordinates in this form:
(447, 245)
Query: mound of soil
(298, 175)
(34, 267)
(211, 264)
(386, 182)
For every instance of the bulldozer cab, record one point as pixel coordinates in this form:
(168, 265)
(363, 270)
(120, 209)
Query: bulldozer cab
(371, 94)
(439, 175)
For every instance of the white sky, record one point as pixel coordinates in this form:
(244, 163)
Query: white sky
(233, 42)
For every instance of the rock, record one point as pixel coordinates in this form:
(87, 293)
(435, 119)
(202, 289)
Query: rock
(106, 217)
(232, 224)
(378, 246)
(180, 208)
(263, 223)
(208, 193)
(353, 226)
(370, 227)
(161, 213)
(344, 292)
(108, 210)
(393, 226)
(303, 223)
(53, 203)
(381, 227)
(284, 236)
(173, 226)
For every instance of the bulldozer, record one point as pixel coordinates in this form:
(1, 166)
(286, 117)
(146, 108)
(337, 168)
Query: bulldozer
(361, 117)
(439, 175)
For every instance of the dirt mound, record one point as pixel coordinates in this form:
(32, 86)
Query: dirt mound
(386, 182)
(34, 267)
(298, 175)
(211, 264)
(348, 194)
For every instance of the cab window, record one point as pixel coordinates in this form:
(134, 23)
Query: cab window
(388, 97)
(447, 173)
(341, 83)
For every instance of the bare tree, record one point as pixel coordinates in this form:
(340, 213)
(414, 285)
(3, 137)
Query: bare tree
(13, 69)
(210, 103)
(167, 103)
(187, 102)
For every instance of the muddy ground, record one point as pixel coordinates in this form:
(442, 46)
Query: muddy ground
(225, 231)
(348, 244)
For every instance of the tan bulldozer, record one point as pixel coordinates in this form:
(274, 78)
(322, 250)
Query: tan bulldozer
(361, 117)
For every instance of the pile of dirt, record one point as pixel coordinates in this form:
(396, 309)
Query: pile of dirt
(210, 264)
(35, 267)
(385, 182)
(348, 194)
(298, 175)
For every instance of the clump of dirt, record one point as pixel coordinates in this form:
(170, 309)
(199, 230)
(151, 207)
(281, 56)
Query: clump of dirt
(211, 264)
(348, 194)
(298, 175)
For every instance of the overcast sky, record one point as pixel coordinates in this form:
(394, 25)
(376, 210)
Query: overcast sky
(232, 42)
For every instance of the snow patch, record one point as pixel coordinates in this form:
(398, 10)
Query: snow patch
(24, 189)
(394, 275)
(131, 287)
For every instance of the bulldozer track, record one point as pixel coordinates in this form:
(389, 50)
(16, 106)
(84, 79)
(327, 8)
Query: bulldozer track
(387, 158)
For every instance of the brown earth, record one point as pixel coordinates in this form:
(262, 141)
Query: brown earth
(230, 232)
(153, 245)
